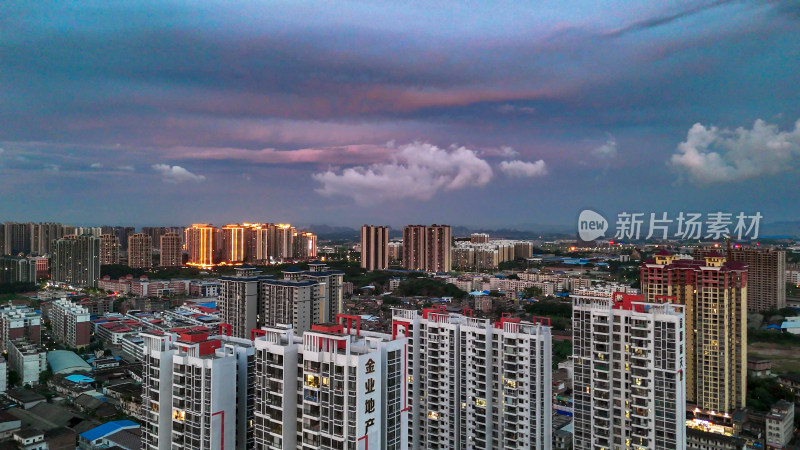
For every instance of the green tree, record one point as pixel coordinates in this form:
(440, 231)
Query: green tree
(561, 351)
(13, 378)
(45, 376)
(762, 393)
(532, 292)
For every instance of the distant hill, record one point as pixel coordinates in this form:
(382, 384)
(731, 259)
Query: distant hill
(527, 231)
(786, 228)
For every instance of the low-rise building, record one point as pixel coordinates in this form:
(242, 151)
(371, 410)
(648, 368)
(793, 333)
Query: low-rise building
(792, 383)
(30, 439)
(66, 362)
(132, 347)
(204, 288)
(27, 359)
(105, 436)
(8, 424)
(758, 367)
(780, 424)
(704, 440)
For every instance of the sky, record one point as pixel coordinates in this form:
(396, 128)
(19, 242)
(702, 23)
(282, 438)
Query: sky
(350, 112)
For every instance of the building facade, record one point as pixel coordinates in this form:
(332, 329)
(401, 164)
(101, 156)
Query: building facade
(780, 425)
(109, 249)
(200, 244)
(334, 387)
(71, 323)
(171, 250)
(76, 260)
(233, 243)
(474, 384)
(714, 292)
(766, 275)
(140, 251)
(374, 247)
(629, 364)
(16, 238)
(302, 298)
(240, 300)
(27, 359)
(17, 269)
(18, 321)
(305, 246)
(427, 248)
(197, 390)
(479, 238)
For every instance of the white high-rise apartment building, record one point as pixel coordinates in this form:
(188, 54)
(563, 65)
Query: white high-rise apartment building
(474, 384)
(330, 288)
(629, 385)
(240, 300)
(292, 302)
(197, 390)
(332, 388)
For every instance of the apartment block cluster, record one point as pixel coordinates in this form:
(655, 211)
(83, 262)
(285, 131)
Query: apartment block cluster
(438, 380)
(642, 362)
(145, 287)
(480, 253)
(254, 243)
(431, 249)
(250, 300)
(549, 283)
(73, 255)
(21, 337)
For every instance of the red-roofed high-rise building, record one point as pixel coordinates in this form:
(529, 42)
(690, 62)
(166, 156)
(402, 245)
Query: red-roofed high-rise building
(714, 292)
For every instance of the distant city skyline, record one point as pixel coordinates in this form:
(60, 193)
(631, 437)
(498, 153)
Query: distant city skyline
(397, 112)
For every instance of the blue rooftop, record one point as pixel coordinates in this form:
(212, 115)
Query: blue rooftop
(79, 379)
(292, 269)
(212, 305)
(790, 324)
(108, 429)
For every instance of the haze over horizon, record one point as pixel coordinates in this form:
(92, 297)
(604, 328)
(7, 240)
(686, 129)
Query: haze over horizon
(160, 113)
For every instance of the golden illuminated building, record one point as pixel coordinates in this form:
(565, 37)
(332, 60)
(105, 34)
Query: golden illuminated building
(200, 244)
(305, 245)
(714, 292)
(233, 243)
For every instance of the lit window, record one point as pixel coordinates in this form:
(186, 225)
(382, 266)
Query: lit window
(312, 381)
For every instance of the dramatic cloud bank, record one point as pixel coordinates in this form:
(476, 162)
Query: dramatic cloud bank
(523, 169)
(416, 171)
(176, 174)
(714, 155)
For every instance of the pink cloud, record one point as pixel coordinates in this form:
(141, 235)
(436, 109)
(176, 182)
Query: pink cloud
(349, 154)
